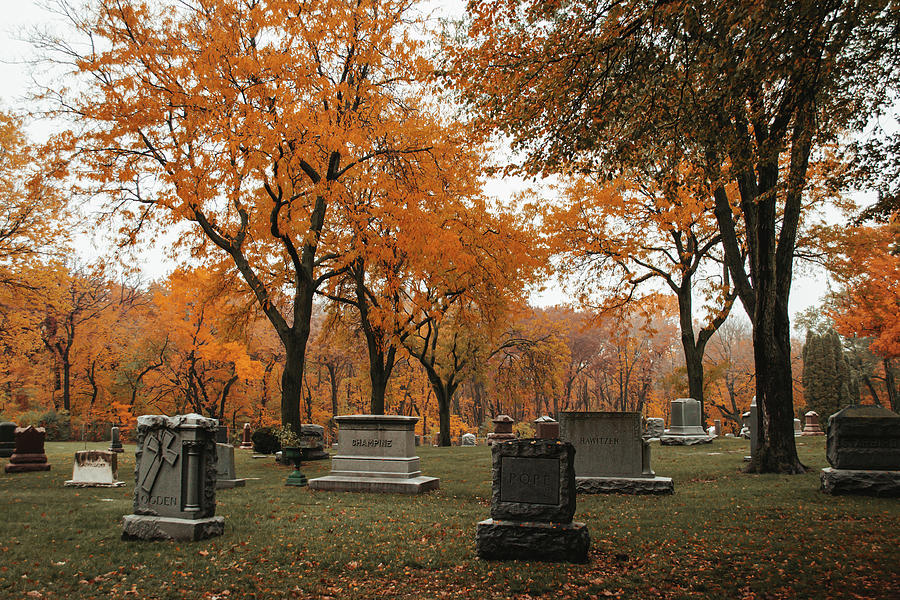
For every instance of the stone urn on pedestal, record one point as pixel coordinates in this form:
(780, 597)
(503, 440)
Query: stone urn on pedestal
(291, 451)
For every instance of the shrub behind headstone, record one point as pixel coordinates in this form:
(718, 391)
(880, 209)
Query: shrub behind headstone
(264, 441)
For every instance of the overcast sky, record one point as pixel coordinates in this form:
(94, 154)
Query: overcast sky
(21, 15)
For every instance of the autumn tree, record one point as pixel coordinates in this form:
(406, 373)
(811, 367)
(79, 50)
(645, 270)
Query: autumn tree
(618, 237)
(744, 92)
(248, 121)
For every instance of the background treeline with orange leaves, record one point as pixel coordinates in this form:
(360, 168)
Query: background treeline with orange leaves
(83, 349)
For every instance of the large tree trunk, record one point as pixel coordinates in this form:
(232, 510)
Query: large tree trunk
(292, 381)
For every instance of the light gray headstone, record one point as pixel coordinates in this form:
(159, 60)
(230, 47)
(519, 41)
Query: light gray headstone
(606, 443)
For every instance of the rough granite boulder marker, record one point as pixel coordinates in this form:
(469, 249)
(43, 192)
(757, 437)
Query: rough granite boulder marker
(467, 439)
(313, 442)
(376, 453)
(175, 480)
(532, 504)
(611, 454)
(654, 427)
(29, 453)
(686, 427)
(863, 448)
(7, 439)
(95, 468)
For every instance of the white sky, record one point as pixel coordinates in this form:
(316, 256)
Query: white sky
(20, 15)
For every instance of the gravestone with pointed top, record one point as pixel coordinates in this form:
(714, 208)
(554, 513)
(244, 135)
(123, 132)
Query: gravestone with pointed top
(246, 442)
(29, 453)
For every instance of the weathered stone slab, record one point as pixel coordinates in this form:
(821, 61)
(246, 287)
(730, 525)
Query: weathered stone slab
(864, 437)
(95, 468)
(625, 485)
(546, 428)
(860, 482)
(553, 542)
(533, 480)
(686, 440)
(376, 453)
(467, 439)
(606, 444)
(225, 473)
(146, 527)
(29, 453)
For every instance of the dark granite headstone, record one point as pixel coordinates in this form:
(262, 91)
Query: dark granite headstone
(29, 454)
(246, 443)
(532, 504)
(115, 443)
(222, 434)
(546, 428)
(7, 439)
(312, 442)
(864, 437)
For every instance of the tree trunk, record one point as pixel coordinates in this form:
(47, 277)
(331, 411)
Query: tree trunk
(890, 384)
(291, 382)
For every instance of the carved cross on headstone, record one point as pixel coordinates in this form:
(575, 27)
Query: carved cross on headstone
(160, 446)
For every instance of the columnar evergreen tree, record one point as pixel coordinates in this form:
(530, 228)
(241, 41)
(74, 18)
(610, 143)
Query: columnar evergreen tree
(828, 381)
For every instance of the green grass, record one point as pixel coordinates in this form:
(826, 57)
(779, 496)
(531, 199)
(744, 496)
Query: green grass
(723, 534)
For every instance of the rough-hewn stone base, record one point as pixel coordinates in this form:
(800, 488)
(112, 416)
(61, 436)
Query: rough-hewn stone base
(145, 527)
(227, 484)
(685, 440)
(85, 484)
(624, 485)
(863, 483)
(529, 540)
(377, 485)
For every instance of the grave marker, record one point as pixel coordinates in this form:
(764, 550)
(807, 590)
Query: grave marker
(863, 448)
(611, 454)
(29, 453)
(7, 439)
(95, 468)
(686, 428)
(532, 504)
(175, 480)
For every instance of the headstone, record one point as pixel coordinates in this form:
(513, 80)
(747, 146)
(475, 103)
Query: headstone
(467, 439)
(745, 425)
(798, 428)
(376, 453)
(503, 430)
(654, 427)
(175, 480)
(811, 426)
(546, 428)
(863, 448)
(418, 441)
(532, 504)
(95, 468)
(717, 426)
(7, 439)
(225, 474)
(222, 434)
(611, 454)
(246, 442)
(115, 443)
(29, 453)
(685, 428)
(312, 442)
(751, 421)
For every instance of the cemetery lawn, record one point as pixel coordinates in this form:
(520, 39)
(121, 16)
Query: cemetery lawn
(722, 534)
